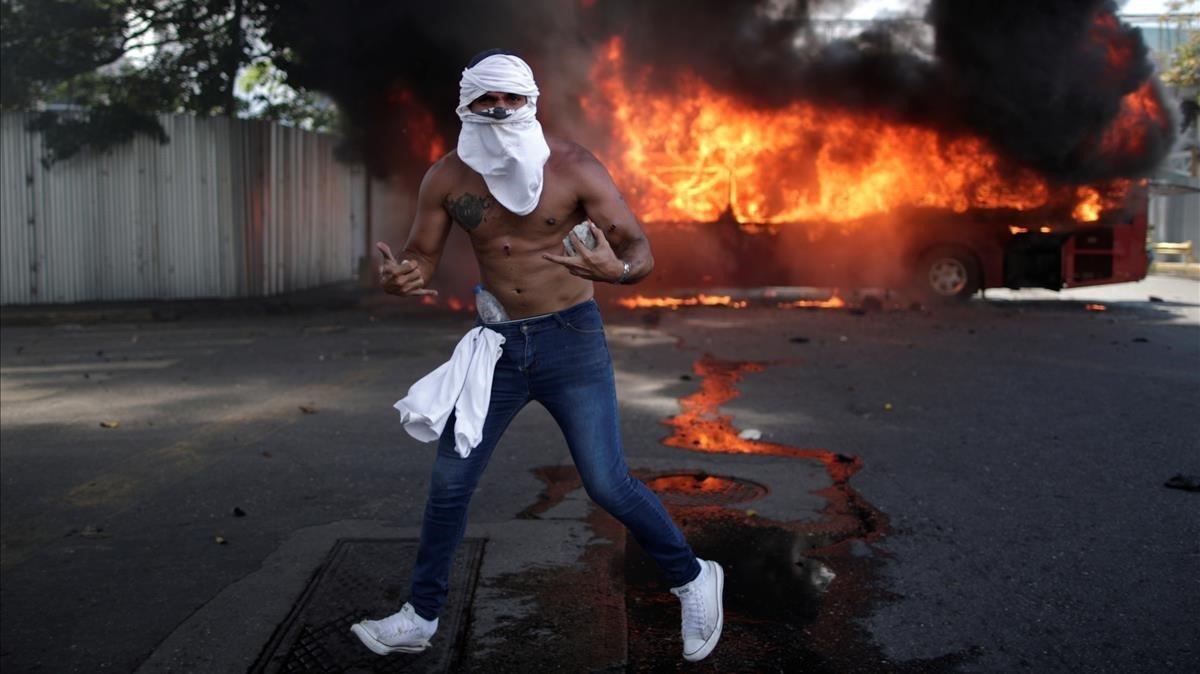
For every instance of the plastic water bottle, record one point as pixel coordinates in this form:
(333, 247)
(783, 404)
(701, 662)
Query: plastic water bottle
(489, 308)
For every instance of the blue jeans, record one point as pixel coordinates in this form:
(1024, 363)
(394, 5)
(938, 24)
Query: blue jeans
(560, 360)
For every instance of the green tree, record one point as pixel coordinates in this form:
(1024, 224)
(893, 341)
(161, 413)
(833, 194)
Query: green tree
(1181, 71)
(265, 86)
(101, 70)
(1183, 63)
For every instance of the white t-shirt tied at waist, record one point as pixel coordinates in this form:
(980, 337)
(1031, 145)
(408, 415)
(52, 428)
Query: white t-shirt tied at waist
(462, 385)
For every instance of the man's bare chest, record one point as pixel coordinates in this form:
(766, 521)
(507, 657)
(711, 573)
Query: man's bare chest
(473, 208)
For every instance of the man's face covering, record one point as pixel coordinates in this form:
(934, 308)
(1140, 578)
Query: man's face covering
(506, 147)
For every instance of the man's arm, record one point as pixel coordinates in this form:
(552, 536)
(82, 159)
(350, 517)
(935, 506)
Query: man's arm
(426, 241)
(623, 239)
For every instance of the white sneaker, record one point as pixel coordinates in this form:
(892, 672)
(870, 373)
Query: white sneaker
(703, 611)
(404, 632)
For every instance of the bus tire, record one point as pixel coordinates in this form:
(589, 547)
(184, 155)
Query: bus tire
(947, 274)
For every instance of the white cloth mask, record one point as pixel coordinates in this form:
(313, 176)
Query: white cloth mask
(509, 151)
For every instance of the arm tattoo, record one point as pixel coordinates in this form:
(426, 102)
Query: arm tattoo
(467, 210)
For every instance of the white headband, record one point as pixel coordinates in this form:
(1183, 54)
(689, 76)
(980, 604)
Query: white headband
(500, 72)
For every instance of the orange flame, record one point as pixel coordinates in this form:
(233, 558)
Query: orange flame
(1140, 111)
(701, 427)
(1089, 207)
(673, 303)
(1119, 48)
(423, 139)
(834, 302)
(698, 154)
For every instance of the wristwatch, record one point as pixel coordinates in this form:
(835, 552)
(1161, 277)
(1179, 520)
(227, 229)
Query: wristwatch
(624, 273)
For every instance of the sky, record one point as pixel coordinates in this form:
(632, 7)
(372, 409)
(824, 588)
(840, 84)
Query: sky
(871, 9)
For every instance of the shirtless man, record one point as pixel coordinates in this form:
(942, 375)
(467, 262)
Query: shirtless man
(517, 194)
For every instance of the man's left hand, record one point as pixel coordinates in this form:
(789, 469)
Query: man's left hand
(597, 264)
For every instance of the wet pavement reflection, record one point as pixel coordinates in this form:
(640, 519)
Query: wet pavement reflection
(794, 589)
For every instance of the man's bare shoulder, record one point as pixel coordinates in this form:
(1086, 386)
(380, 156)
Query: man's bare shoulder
(446, 176)
(571, 158)
(449, 168)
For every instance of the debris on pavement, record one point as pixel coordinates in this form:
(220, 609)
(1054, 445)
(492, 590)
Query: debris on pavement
(90, 531)
(110, 423)
(1184, 482)
(220, 540)
(750, 434)
(308, 409)
(1155, 298)
(799, 340)
(238, 512)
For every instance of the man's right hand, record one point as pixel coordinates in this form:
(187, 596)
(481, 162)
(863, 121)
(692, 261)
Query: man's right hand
(401, 278)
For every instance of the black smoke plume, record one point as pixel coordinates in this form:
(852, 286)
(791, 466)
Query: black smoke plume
(1045, 80)
(1042, 81)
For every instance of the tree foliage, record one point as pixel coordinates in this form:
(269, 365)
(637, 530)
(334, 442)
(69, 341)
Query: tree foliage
(1183, 63)
(266, 86)
(102, 70)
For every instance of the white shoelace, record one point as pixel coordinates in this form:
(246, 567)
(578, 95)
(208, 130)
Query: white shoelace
(693, 614)
(400, 623)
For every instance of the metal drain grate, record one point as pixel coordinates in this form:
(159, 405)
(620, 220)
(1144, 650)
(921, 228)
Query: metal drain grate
(367, 578)
(701, 490)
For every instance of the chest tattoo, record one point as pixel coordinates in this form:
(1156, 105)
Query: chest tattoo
(467, 210)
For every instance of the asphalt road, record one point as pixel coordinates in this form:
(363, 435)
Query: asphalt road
(1013, 451)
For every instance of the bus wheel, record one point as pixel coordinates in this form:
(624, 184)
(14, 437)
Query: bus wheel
(947, 273)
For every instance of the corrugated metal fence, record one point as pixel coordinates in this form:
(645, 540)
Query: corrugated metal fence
(227, 208)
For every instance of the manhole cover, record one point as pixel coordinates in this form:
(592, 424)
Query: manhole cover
(700, 490)
(367, 578)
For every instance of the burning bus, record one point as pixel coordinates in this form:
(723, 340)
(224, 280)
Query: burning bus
(820, 196)
(931, 253)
